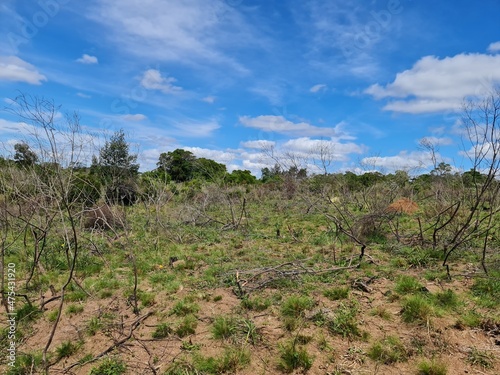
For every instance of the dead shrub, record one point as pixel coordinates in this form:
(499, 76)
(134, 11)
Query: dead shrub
(102, 217)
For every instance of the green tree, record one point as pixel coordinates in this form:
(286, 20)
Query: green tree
(179, 164)
(24, 156)
(209, 169)
(118, 169)
(241, 177)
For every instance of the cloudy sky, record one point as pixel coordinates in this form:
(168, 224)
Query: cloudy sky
(240, 80)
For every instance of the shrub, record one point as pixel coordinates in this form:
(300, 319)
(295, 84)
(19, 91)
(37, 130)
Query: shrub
(431, 368)
(416, 309)
(162, 331)
(102, 217)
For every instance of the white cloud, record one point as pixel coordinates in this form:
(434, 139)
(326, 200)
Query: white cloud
(199, 32)
(135, 117)
(260, 144)
(318, 88)
(436, 85)
(312, 148)
(82, 95)
(196, 129)
(437, 141)
(12, 68)
(403, 161)
(281, 125)
(219, 156)
(87, 59)
(152, 79)
(209, 99)
(494, 47)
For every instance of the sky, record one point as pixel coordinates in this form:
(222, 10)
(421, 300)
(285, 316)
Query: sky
(249, 82)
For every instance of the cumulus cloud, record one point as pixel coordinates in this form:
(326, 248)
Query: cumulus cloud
(318, 88)
(403, 161)
(152, 79)
(87, 59)
(494, 47)
(196, 129)
(435, 85)
(281, 125)
(12, 68)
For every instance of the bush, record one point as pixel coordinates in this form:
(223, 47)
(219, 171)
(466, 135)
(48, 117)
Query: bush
(102, 217)
(125, 194)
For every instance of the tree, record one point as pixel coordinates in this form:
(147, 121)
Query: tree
(208, 169)
(118, 169)
(179, 164)
(24, 156)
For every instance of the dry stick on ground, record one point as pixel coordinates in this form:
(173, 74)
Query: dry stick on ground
(117, 344)
(279, 272)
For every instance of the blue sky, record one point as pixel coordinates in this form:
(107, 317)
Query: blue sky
(239, 81)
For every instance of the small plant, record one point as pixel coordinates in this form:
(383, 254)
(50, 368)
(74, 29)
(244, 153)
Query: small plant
(185, 307)
(162, 331)
(416, 309)
(256, 303)
(28, 313)
(147, 299)
(25, 363)
(224, 327)
(66, 349)
(93, 325)
(109, 366)
(408, 285)
(431, 368)
(230, 361)
(337, 293)
(74, 309)
(344, 322)
(487, 290)
(387, 351)
(381, 312)
(52, 316)
(447, 299)
(480, 358)
(187, 326)
(293, 357)
(295, 306)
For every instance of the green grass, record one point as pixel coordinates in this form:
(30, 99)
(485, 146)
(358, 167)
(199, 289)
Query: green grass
(295, 306)
(94, 325)
(109, 366)
(74, 309)
(388, 350)
(481, 358)
(336, 293)
(224, 327)
(293, 357)
(187, 326)
(185, 307)
(408, 285)
(416, 309)
(161, 331)
(345, 322)
(431, 368)
(25, 363)
(231, 360)
(66, 349)
(487, 290)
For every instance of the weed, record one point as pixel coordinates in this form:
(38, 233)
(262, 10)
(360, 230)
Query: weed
(408, 285)
(344, 322)
(181, 368)
(76, 296)
(256, 303)
(52, 316)
(187, 326)
(217, 298)
(293, 357)
(480, 358)
(432, 368)
(295, 306)
(231, 360)
(336, 293)
(147, 299)
(28, 313)
(66, 349)
(185, 307)
(74, 309)
(488, 291)
(109, 366)
(381, 312)
(224, 327)
(447, 299)
(416, 309)
(93, 326)
(387, 351)
(25, 363)
(161, 331)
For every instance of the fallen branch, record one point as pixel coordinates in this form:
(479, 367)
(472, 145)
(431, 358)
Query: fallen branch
(115, 345)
